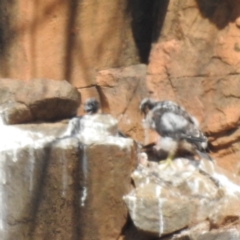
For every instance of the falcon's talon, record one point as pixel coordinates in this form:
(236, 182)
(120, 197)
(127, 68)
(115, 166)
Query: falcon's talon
(167, 162)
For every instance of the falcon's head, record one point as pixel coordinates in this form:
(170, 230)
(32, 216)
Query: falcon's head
(146, 105)
(91, 106)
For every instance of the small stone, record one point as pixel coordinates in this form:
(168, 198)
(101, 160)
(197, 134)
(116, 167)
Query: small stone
(143, 159)
(238, 22)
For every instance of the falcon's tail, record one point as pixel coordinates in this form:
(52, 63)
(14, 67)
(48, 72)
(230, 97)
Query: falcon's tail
(199, 142)
(204, 155)
(194, 139)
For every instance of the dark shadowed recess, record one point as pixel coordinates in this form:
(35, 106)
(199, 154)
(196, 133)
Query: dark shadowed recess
(130, 232)
(219, 12)
(147, 20)
(7, 14)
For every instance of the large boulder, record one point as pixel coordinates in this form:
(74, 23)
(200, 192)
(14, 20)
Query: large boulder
(64, 180)
(67, 40)
(37, 100)
(107, 163)
(186, 195)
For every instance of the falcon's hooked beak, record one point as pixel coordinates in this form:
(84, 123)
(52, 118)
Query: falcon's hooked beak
(146, 105)
(143, 110)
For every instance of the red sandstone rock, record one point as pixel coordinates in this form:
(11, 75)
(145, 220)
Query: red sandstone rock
(122, 89)
(66, 40)
(196, 63)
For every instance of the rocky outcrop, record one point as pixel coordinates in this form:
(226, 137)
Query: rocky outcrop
(195, 62)
(64, 180)
(37, 100)
(186, 199)
(67, 180)
(194, 43)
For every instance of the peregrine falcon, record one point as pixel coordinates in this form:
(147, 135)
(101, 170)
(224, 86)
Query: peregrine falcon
(177, 128)
(91, 106)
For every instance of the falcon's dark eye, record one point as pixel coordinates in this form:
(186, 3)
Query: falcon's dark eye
(144, 109)
(146, 105)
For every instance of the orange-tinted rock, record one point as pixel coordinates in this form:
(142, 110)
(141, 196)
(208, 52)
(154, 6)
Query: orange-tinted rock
(65, 40)
(196, 63)
(122, 90)
(37, 100)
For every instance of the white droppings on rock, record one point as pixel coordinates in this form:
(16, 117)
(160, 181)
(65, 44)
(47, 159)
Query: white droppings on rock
(158, 191)
(229, 186)
(161, 219)
(146, 135)
(95, 129)
(85, 175)
(15, 155)
(64, 173)
(13, 140)
(84, 196)
(191, 195)
(2, 192)
(147, 180)
(133, 208)
(31, 167)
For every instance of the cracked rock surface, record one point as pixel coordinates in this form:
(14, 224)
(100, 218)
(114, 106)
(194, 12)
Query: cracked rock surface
(191, 199)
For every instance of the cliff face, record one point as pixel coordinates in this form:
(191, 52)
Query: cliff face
(194, 57)
(195, 62)
(65, 39)
(67, 177)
